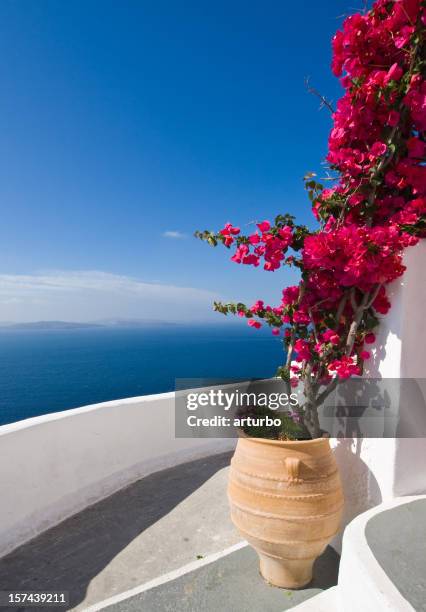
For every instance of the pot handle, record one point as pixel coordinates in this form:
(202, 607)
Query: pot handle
(292, 465)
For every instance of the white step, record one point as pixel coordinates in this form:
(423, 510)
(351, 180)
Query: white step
(363, 585)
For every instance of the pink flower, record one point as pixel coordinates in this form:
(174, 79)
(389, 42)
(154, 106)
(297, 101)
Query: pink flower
(251, 260)
(344, 367)
(403, 37)
(254, 238)
(302, 349)
(290, 295)
(405, 217)
(240, 252)
(381, 304)
(419, 205)
(319, 348)
(271, 266)
(327, 193)
(286, 234)
(364, 355)
(301, 317)
(265, 226)
(415, 100)
(259, 305)
(370, 338)
(254, 323)
(276, 331)
(229, 229)
(394, 73)
(356, 198)
(330, 336)
(378, 149)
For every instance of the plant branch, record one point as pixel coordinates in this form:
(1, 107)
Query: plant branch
(373, 296)
(340, 309)
(315, 92)
(355, 323)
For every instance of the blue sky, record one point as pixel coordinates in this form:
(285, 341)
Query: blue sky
(121, 121)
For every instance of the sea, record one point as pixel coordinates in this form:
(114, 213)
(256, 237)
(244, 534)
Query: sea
(51, 370)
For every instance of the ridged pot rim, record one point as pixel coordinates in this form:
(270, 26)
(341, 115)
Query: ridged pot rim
(284, 442)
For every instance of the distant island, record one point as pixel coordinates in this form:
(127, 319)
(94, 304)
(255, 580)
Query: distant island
(48, 325)
(63, 325)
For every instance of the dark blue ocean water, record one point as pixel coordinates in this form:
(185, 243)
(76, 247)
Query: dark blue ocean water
(45, 371)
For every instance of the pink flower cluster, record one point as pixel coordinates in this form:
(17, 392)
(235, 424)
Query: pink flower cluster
(374, 53)
(229, 232)
(374, 209)
(345, 367)
(266, 244)
(358, 256)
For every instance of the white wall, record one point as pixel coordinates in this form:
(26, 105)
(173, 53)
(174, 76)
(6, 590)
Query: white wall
(378, 469)
(54, 465)
(400, 350)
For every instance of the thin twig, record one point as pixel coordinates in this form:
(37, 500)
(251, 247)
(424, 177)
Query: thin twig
(315, 92)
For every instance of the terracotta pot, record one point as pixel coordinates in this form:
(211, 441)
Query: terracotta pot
(286, 501)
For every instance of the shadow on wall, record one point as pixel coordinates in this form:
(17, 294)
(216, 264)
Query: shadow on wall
(378, 355)
(360, 488)
(388, 338)
(68, 556)
(359, 414)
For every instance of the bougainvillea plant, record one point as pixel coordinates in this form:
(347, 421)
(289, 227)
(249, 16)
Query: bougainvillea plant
(373, 208)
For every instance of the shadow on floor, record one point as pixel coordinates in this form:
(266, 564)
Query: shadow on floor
(230, 584)
(69, 555)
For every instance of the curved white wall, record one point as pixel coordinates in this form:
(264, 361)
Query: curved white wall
(54, 465)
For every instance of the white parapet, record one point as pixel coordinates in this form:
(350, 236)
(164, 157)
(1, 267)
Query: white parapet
(54, 465)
